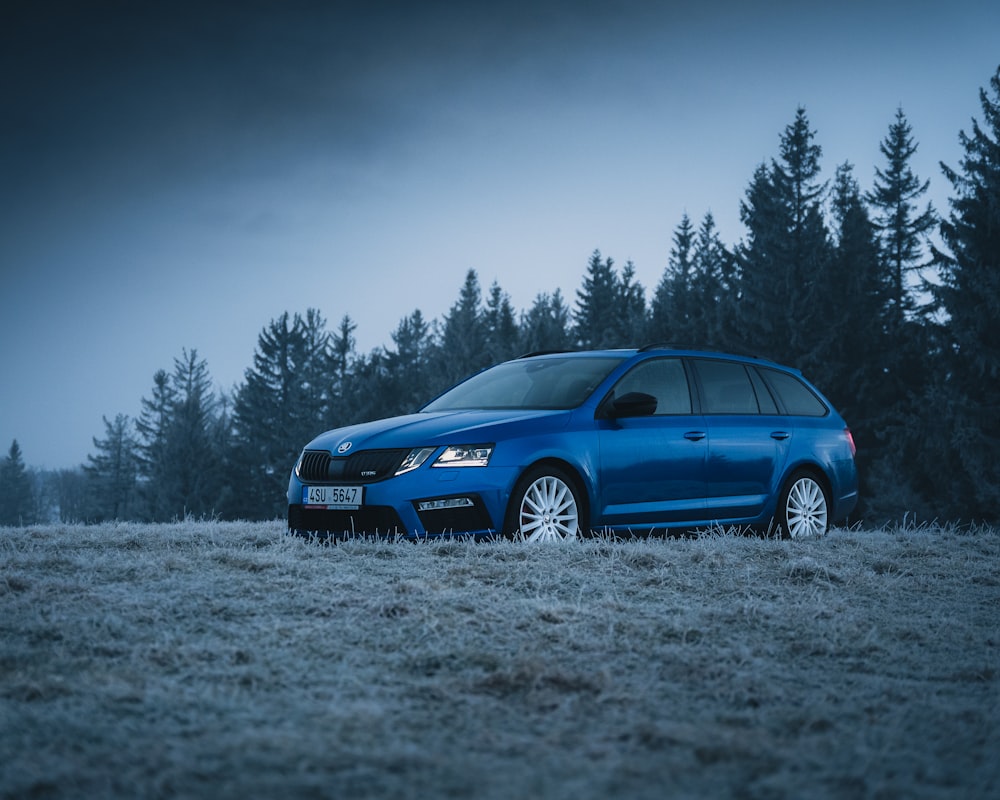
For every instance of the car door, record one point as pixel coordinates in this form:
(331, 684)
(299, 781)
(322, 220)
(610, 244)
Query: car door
(652, 467)
(748, 440)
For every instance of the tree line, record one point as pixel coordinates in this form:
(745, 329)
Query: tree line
(890, 307)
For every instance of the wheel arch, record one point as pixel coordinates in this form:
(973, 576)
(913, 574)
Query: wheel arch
(583, 486)
(810, 468)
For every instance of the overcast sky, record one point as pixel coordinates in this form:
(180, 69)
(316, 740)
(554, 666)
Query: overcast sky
(176, 175)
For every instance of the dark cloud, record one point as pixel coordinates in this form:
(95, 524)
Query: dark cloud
(113, 101)
(99, 80)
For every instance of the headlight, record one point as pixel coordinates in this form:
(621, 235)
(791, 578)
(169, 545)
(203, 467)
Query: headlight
(468, 455)
(414, 459)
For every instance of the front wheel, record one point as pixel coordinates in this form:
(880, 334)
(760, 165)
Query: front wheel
(545, 506)
(803, 509)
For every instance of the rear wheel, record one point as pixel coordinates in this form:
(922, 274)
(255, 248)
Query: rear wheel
(545, 506)
(804, 508)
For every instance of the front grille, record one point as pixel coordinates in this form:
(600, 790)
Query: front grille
(315, 466)
(367, 466)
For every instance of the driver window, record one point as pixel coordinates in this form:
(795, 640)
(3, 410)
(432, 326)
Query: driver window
(664, 379)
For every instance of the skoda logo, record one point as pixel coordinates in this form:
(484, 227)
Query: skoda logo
(344, 447)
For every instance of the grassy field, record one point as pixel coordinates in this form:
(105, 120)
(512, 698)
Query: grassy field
(228, 660)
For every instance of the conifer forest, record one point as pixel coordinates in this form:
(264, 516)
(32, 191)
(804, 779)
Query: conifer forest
(890, 305)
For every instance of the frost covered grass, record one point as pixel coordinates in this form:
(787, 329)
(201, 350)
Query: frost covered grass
(230, 660)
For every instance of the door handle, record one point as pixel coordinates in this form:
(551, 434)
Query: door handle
(780, 435)
(694, 436)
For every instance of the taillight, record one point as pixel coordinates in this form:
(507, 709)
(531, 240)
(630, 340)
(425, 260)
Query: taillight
(850, 441)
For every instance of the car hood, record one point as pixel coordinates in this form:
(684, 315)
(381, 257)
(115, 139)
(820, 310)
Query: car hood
(437, 428)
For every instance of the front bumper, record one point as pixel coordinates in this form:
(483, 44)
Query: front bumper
(472, 501)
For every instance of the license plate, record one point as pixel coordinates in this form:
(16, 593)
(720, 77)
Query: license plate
(333, 496)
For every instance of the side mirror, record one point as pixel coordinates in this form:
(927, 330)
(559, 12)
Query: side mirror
(633, 404)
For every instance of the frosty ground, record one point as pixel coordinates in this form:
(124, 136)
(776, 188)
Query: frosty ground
(229, 660)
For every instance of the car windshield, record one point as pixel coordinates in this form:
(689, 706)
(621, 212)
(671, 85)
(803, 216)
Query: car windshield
(545, 383)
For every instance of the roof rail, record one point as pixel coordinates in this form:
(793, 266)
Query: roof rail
(542, 353)
(674, 346)
(701, 348)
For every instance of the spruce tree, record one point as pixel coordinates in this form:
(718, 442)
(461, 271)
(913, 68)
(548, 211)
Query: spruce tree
(17, 502)
(546, 325)
(73, 496)
(280, 406)
(712, 312)
(153, 427)
(500, 325)
(966, 394)
(193, 475)
(595, 322)
(631, 318)
(761, 262)
(409, 379)
(112, 473)
(373, 382)
(855, 362)
(786, 252)
(903, 228)
(332, 390)
(859, 299)
(230, 502)
(463, 338)
(669, 310)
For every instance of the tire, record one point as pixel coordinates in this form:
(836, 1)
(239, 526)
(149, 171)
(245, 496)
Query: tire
(545, 506)
(804, 507)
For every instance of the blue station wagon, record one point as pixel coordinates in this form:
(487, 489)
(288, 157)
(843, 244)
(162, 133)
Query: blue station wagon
(559, 445)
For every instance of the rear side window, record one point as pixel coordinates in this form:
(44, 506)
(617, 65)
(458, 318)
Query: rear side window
(726, 388)
(797, 398)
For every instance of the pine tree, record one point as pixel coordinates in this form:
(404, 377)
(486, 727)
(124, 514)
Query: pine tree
(786, 252)
(153, 427)
(17, 502)
(73, 496)
(463, 338)
(966, 451)
(669, 310)
(193, 465)
(902, 228)
(501, 326)
(113, 472)
(180, 466)
(341, 403)
(854, 360)
(712, 312)
(410, 381)
(281, 405)
(594, 320)
(970, 272)
(231, 500)
(631, 321)
(695, 301)
(372, 381)
(859, 303)
(546, 325)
